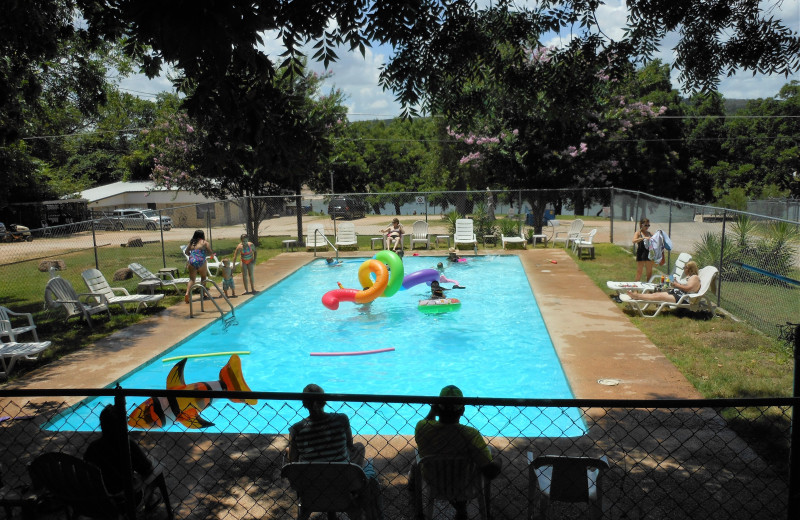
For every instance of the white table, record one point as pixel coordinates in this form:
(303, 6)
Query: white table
(290, 243)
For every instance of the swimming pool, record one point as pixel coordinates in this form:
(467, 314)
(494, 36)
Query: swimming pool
(496, 345)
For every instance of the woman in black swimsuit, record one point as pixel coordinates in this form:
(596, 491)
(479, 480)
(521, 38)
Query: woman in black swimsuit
(641, 240)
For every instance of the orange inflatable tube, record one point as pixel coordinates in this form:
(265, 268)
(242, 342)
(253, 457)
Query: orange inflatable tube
(373, 290)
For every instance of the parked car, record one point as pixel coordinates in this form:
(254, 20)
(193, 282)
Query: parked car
(346, 208)
(133, 218)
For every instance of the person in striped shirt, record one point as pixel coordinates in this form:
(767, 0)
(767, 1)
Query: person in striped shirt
(327, 437)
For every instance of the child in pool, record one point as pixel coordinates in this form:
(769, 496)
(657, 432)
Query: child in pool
(437, 291)
(227, 278)
(443, 278)
(453, 256)
(331, 262)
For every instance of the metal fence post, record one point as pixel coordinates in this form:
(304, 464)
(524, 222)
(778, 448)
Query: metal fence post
(161, 227)
(94, 246)
(793, 509)
(611, 216)
(125, 449)
(721, 256)
(669, 234)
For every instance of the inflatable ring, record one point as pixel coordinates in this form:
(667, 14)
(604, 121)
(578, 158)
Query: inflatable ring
(373, 290)
(439, 306)
(396, 271)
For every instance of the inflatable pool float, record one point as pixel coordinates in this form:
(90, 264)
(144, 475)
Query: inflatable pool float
(439, 306)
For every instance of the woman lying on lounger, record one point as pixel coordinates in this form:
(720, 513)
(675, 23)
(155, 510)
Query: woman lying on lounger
(676, 290)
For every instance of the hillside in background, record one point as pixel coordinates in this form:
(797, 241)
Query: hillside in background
(734, 105)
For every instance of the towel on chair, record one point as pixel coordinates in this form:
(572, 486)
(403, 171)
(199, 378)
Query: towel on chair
(658, 243)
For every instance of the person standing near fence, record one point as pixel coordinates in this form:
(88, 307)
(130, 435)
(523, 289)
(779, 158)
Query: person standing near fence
(196, 252)
(248, 252)
(641, 241)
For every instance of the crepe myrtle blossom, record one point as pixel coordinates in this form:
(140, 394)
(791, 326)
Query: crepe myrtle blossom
(486, 142)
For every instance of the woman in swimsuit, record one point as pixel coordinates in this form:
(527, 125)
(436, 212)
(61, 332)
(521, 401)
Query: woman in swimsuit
(248, 252)
(676, 290)
(641, 240)
(197, 251)
(394, 233)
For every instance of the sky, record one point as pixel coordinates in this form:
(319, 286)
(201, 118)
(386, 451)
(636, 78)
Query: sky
(357, 76)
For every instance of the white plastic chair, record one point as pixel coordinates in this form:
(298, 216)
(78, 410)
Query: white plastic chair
(584, 242)
(449, 478)
(314, 239)
(151, 281)
(326, 486)
(563, 478)
(419, 234)
(465, 233)
(8, 329)
(346, 235)
(59, 293)
(698, 301)
(98, 285)
(571, 234)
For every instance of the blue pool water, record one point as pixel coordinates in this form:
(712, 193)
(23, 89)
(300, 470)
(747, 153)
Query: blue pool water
(496, 345)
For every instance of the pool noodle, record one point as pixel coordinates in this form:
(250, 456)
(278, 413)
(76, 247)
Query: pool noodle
(356, 353)
(211, 354)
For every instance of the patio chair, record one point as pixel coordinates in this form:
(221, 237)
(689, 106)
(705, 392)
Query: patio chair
(699, 301)
(151, 281)
(419, 234)
(12, 351)
(97, 284)
(450, 478)
(584, 242)
(346, 235)
(315, 236)
(465, 233)
(564, 478)
(326, 487)
(79, 485)
(212, 262)
(505, 240)
(571, 234)
(59, 293)
(649, 286)
(7, 328)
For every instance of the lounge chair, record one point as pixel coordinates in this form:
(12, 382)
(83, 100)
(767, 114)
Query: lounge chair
(327, 487)
(699, 301)
(79, 485)
(584, 242)
(419, 234)
(59, 293)
(346, 235)
(650, 285)
(450, 478)
(505, 240)
(465, 233)
(563, 478)
(97, 284)
(7, 328)
(151, 281)
(315, 236)
(212, 262)
(571, 234)
(12, 351)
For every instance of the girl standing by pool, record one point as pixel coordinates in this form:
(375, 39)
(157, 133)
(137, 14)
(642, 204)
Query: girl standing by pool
(248, 252)
(641, 239)
(197, 251)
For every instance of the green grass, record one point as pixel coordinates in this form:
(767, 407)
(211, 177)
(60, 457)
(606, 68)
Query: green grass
(721, 357)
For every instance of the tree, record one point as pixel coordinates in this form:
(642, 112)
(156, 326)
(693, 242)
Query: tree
(271, 136)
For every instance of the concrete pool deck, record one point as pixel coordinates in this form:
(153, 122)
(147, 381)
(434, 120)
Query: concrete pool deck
(594, 339)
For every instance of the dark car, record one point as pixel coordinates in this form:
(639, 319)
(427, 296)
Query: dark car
(346, 208)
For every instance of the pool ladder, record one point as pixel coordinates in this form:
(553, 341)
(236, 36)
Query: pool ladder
(205, 295)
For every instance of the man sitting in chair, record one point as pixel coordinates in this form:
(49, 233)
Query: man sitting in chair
(327, 437)
(447, 437)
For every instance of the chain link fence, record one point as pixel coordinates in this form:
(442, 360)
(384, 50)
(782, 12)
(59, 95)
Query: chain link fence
(758, 256)
(668, 459)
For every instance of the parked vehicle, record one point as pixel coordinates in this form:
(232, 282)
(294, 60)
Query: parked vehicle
(15, 233)
(133, 218)
(346, 208)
